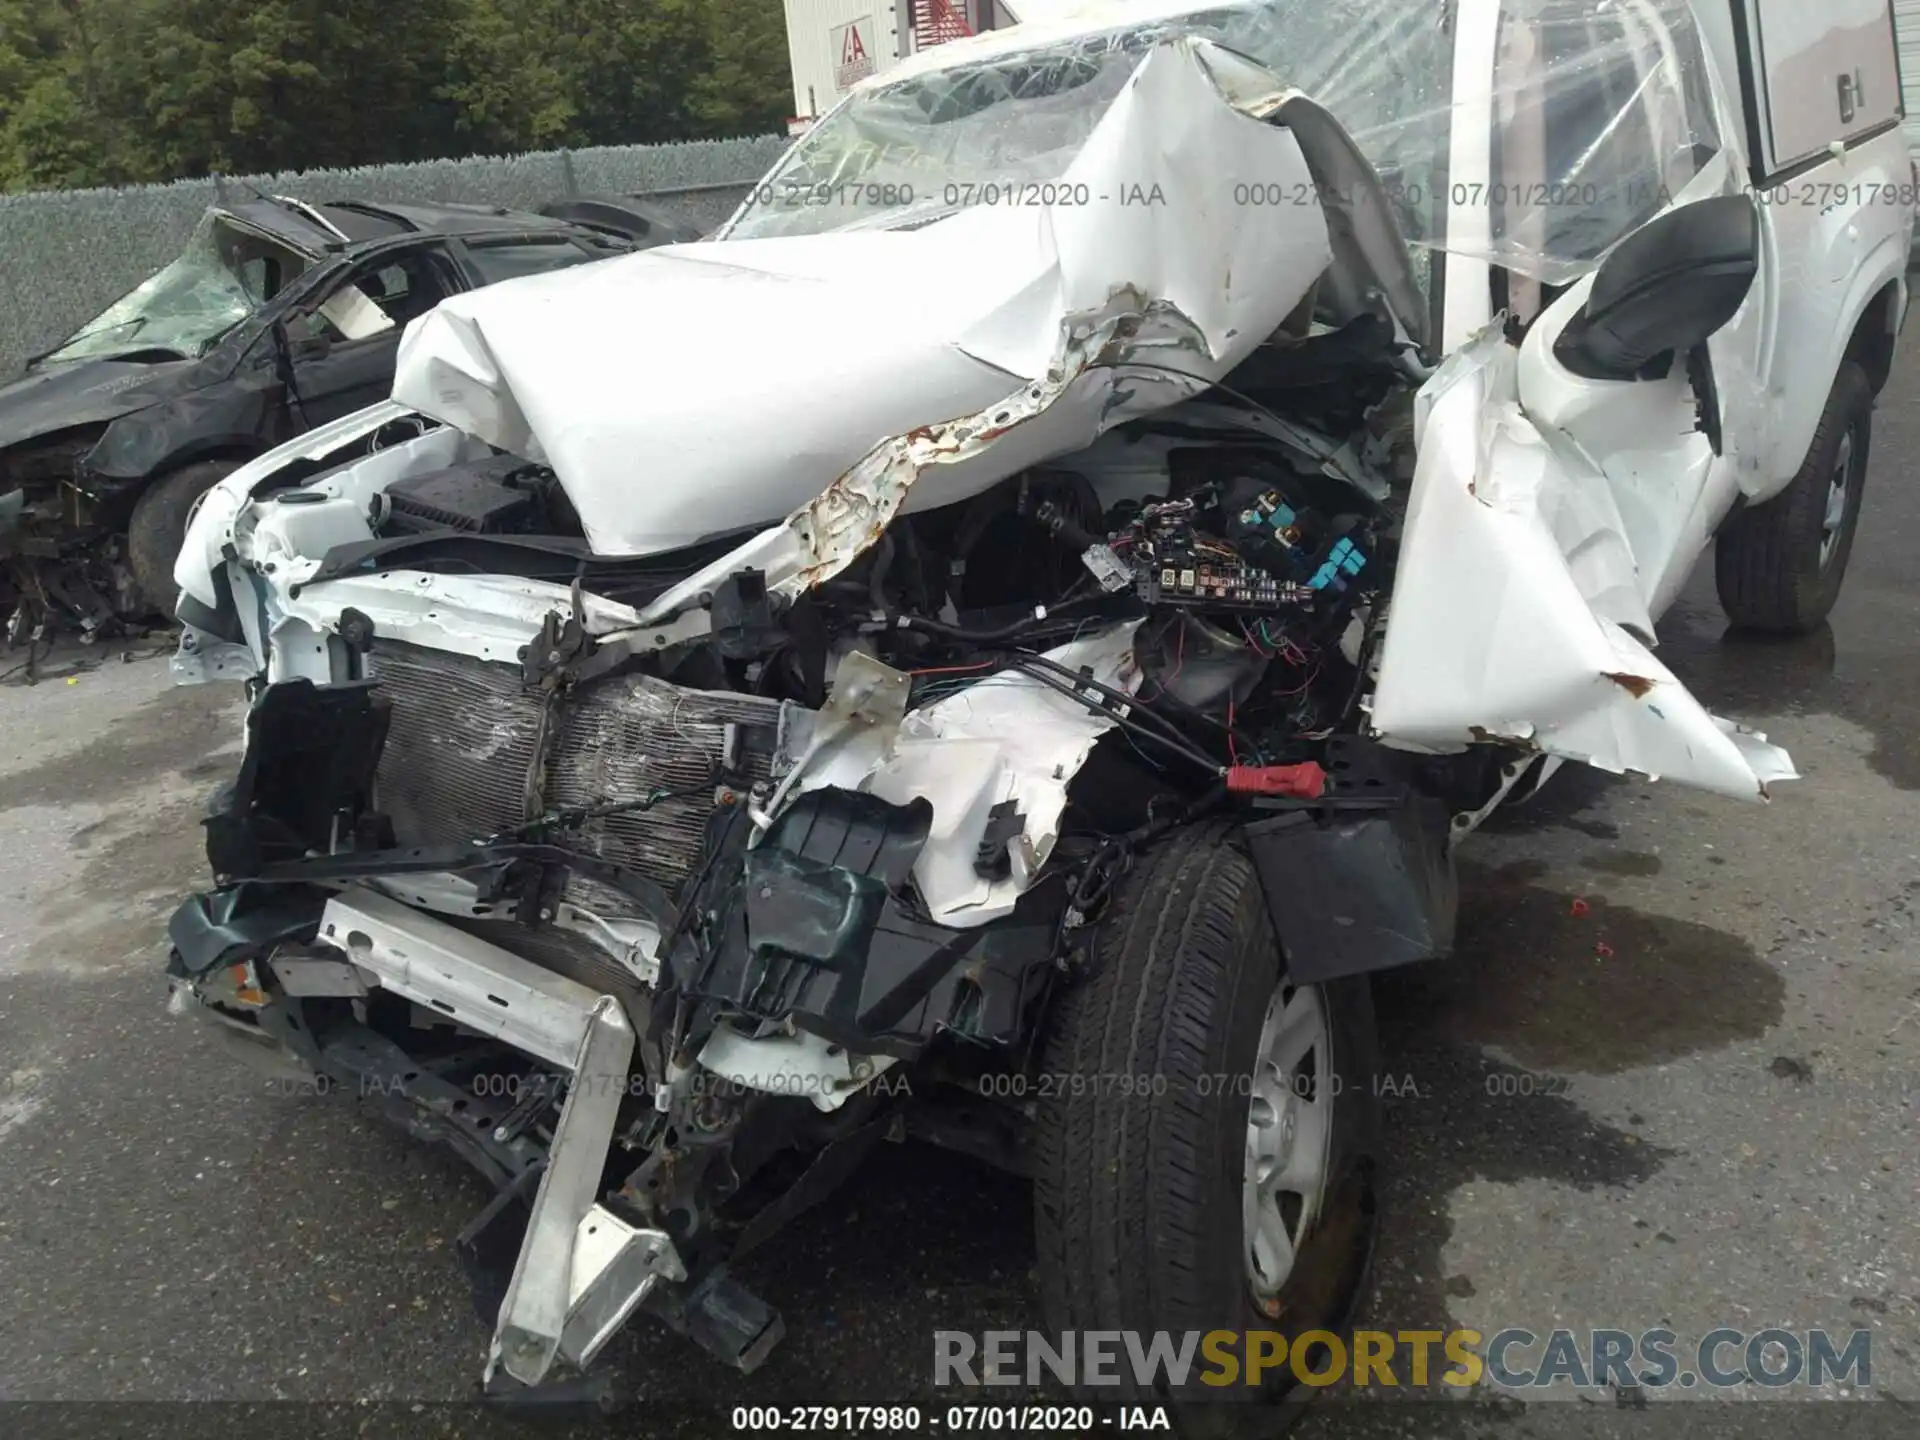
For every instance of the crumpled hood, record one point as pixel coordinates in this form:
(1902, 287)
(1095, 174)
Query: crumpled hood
(701, 389)
(696, 389)
(90, 392)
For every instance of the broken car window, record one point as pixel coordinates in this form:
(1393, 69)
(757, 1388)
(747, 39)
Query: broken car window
(222, 276)
(513, 259)
(1583, 122)
(350, 313)
(936, 141)
(374, 299)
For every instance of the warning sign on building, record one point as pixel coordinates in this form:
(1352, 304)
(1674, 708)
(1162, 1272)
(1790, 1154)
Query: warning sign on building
(852, 51)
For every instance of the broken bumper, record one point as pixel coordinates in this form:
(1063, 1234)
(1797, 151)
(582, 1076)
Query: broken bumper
(581, 1270)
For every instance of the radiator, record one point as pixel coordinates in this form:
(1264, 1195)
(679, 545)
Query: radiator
(463, 734)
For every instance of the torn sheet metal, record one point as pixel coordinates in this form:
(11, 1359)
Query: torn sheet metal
(1509, 603)
(695, 390)
(830, 532)
(1007, 738)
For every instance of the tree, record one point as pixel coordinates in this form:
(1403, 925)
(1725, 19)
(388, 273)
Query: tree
(289, 84)
(112, 91)
(56, 126)
(505, 80)
(746, 86)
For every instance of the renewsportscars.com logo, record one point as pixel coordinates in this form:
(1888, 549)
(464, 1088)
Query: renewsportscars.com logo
(1511, 1359)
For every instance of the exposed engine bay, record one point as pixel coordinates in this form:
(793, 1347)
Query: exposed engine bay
(1244, 565)
(61, 550)
(662, 789)
(662, 887)
(813, 841)
(1201, 601)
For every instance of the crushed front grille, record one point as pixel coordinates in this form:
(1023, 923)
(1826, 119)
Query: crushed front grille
(462, 738)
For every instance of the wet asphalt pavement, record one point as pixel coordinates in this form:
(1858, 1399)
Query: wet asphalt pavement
(1715, 1009)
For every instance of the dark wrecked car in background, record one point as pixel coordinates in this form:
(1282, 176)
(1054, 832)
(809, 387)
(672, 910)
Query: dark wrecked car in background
(696, 736)
(276, 317)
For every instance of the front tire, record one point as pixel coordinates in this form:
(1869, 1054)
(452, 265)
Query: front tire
(1779, 566)
(159, 528)
(1177, 1086)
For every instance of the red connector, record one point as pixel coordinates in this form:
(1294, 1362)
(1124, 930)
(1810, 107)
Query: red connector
(1306, 781)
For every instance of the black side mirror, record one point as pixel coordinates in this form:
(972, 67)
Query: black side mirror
(311, 347)
(1665, 289)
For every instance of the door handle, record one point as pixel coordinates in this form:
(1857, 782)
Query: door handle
(1853, 95)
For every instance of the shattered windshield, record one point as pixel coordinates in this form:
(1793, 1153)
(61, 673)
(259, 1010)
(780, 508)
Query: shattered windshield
(1574, 121)
(222, 276)
(935, 142)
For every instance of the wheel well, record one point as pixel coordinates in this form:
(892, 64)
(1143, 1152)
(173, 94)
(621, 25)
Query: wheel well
(1873, 339)
(223, 450)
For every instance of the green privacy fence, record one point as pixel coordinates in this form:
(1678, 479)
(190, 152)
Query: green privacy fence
(65, 255)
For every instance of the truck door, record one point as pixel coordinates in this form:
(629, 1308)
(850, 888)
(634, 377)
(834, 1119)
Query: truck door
(1555, 511)
(1820, 83)
(1603, 119)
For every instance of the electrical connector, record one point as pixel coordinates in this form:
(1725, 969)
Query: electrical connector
(1306, 781)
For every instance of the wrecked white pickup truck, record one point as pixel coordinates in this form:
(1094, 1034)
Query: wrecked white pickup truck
(1000, 645)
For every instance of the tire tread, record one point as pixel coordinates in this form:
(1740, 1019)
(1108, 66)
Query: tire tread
(1761, 558)
(159, 525)
(1120, 1187)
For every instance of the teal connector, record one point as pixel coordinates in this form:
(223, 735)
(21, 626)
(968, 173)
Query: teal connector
(1344, 562)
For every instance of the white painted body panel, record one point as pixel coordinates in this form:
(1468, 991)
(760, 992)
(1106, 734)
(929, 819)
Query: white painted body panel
(1835, 237)
(1549, 528)
(695, 390)
(1517, 594)
(1835, 232)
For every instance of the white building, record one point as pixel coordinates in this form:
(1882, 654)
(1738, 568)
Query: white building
(835, 43)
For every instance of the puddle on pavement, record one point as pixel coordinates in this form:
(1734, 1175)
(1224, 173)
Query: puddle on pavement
(1558, 984)
(112, 835)
(1463, 1123)
(1867, 674)
(142, 865)
(1632, 864)
(97, 900)
(1568, 983)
